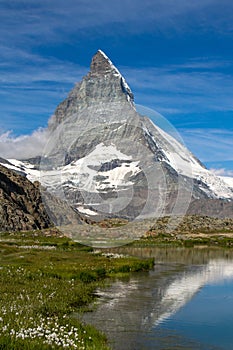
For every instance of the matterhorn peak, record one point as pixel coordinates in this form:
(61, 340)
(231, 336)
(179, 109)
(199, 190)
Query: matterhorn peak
(103, 86)
(101, 64)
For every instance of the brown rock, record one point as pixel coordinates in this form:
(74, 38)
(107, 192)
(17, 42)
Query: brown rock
(21, 206)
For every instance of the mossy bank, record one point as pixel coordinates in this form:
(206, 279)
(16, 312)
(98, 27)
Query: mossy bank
(44, 278)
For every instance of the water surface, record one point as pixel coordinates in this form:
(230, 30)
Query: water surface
(186, 302)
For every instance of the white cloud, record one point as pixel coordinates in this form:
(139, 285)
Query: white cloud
(23, 147)
(222, 172)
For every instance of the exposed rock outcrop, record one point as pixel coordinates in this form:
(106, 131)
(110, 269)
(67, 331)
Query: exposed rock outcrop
(21, 206)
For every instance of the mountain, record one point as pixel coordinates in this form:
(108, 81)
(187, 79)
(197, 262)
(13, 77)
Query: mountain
(102, 88)
(21, 206)
(107, 160)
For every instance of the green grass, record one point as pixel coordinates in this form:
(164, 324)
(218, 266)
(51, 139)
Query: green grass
(43, 281)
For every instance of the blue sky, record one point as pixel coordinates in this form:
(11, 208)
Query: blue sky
(177, 57)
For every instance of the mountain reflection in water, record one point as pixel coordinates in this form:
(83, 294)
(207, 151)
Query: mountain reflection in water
(131, 311)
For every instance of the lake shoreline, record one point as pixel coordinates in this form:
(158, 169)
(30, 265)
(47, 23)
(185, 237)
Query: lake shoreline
(198, 239)
(44, 279)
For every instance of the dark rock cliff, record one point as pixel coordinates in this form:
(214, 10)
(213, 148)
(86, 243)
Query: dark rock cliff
(21, 206)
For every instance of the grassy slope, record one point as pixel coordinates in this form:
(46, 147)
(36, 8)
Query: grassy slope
(43, 279)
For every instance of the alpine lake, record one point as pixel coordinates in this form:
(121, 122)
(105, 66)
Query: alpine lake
(58, 294)
(184, 302)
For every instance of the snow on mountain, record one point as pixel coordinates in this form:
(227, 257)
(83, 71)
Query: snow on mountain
(85, 211)
(25, 168)
(186, 164)
(85, 172)
(228, 180)
(98, 129)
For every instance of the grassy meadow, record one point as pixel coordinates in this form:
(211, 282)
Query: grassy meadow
(44, 279)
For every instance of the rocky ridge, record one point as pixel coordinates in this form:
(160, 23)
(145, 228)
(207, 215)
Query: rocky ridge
(21, 206)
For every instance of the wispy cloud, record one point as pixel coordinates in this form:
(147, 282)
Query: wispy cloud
(183, 88)
(32, 68)
(52, 20)
(32, 88)
(210, 145)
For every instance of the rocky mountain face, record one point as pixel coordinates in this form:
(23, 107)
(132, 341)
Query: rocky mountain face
(21, 206)
(102, 88)
(218, 208)
(107, 160)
